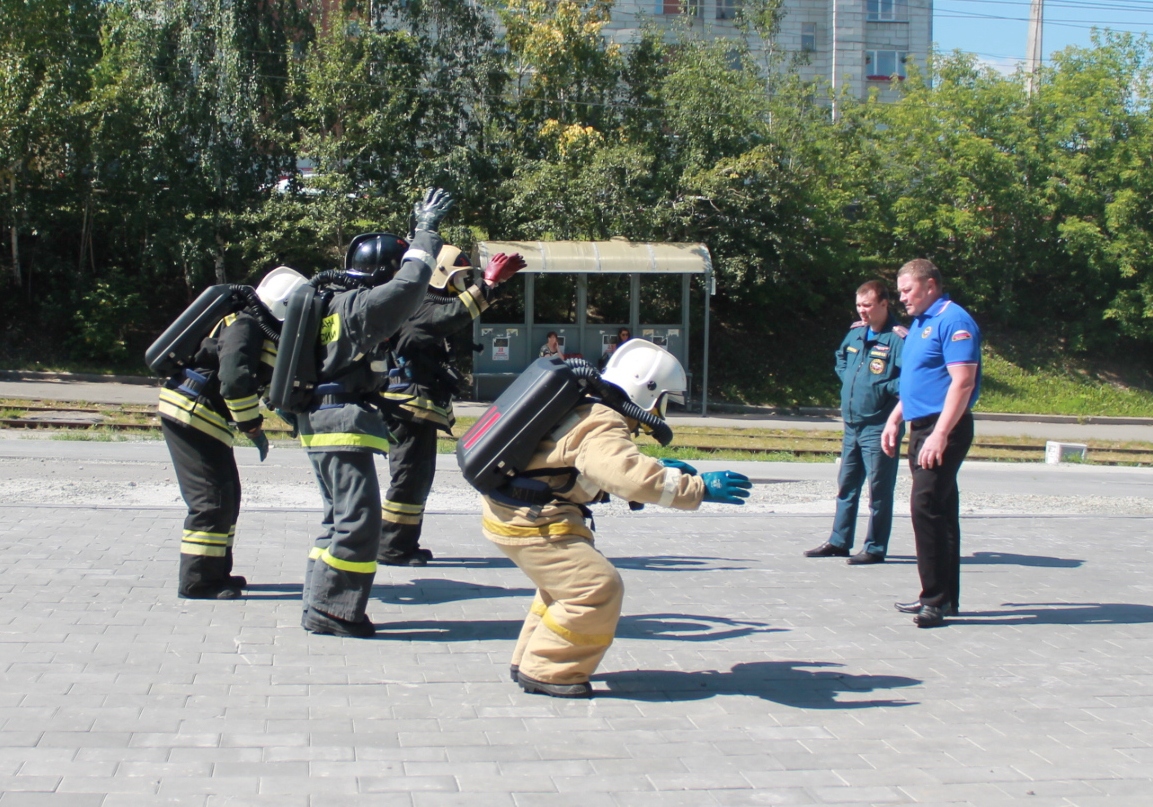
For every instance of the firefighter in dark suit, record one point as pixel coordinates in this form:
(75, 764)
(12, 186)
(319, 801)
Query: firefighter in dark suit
(201, 408)
(422, 383)
(345, 428)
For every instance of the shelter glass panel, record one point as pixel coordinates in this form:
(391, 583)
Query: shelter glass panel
(608, 299)
(508, 307)
(661, 300)
(555, 296)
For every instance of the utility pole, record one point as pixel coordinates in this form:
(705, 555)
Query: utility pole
(833, 81)
(1033, 48)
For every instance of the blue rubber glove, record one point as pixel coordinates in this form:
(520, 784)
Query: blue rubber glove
(260, 440)
(680, 465)
(726, 487)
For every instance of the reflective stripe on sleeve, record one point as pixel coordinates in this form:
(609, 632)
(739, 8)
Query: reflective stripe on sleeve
(672, 483)
(243, 409)
(420, 255)
(470, 303)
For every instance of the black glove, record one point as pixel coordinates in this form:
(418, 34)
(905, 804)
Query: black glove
(429, 213)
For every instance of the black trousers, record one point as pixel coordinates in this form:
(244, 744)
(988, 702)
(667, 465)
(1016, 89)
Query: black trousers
(342, 564)
(412, 464)
(936, 511)
(210, 485)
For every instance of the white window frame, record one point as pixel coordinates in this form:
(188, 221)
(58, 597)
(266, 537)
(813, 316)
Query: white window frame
(883, 10)
(874, 61)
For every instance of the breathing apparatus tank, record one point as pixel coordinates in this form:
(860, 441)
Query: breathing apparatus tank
(296, 372)
(503, 440)
(174, 349)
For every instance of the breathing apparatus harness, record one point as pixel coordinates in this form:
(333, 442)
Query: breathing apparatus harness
(175, 350)
(295, 387)
(493, 452)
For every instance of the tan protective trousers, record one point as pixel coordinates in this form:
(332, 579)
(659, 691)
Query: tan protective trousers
(574, 613)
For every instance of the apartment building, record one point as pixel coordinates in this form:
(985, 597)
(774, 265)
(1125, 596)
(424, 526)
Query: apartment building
(853, 45)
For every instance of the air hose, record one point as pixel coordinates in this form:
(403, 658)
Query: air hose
(614, 398)
(269, 324)
(335, 277)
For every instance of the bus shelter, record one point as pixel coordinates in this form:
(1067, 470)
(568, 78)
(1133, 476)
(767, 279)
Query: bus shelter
(586, 291)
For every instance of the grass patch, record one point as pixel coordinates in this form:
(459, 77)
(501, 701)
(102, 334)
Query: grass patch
(1053, 385)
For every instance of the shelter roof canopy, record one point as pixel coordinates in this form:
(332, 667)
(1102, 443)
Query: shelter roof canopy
(602, 257)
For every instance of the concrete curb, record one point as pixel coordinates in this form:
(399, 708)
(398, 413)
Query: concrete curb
(34, 375)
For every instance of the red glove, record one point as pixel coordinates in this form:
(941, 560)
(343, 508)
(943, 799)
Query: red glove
(502, 267)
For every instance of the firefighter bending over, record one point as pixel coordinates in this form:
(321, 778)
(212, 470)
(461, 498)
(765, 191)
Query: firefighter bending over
(539, 518)
(216, 393)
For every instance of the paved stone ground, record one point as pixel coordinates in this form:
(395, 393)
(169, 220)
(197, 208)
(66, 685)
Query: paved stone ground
(743, 673)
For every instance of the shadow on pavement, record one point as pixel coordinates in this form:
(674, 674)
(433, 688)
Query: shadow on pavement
(786, 682)
(655, 563)
(669, 627)
(1060, 613)
(1011, 559)
(434, 591)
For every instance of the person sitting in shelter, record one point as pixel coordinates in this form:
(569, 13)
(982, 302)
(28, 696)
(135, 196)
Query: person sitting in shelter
(551, 349)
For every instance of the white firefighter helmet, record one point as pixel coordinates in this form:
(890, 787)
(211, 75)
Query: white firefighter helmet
(452, 269)
(647, 373)
(273, 291)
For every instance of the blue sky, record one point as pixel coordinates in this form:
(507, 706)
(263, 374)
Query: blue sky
(997, 30)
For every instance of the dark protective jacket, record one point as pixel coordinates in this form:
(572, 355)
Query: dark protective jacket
(870, 373)
(354, 326)
(236, 358)
(422, 379)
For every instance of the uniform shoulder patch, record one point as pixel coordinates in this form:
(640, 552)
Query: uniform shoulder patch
(901, 331)
(961, 336)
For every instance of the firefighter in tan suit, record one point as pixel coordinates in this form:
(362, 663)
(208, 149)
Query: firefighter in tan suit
(579, 592)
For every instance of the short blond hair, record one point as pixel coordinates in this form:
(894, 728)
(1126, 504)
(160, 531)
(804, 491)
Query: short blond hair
(922, 269)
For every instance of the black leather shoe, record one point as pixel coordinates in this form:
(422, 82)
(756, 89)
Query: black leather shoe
(531, 685)
(238, 581)
(314, 621)
(226, 591)
(862, 558)
(915, 607)
(930, 617)
(827, 550)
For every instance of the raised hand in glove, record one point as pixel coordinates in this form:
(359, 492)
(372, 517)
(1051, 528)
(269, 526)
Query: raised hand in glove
(680, 465)
(726, 487)
(432, 210)
(502, 267)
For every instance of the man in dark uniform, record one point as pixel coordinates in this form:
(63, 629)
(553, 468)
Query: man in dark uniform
(940, 383)
(344, 428)
(200, 409)
(423, 381)
(869, 366)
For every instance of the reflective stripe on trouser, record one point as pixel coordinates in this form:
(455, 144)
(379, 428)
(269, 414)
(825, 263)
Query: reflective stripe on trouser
(210, 485)
(342, 563)
(412, 466)
(574, 614)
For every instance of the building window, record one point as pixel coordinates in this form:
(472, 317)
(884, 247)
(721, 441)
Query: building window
(727, 9)
(690, 7)
(808, 37)
(880, 10)
(882, 65)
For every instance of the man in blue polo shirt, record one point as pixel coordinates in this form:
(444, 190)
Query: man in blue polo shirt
(940, 382)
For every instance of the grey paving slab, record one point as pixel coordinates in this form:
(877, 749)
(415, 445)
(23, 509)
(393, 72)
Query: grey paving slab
(743, 673)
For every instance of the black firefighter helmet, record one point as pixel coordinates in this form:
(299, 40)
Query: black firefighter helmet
(375, 257)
